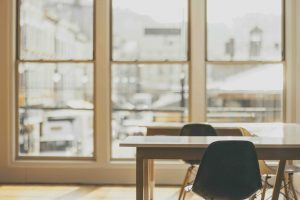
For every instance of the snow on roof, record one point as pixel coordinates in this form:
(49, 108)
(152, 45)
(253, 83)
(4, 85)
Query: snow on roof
(166, 99)
(268, 78)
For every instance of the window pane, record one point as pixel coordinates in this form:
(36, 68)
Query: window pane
(244, 30)
(54, 29)
(149, 30)
(248, 93)
(143, 94)
(56, 109)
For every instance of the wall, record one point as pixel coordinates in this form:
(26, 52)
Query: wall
(4, 63)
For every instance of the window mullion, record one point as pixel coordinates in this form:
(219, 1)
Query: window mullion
(54, 61)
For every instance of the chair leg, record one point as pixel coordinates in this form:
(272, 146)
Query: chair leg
(263, 193)
(185, 181)
(285, 185)
(252, 197)
(291, 184)
(184, 194)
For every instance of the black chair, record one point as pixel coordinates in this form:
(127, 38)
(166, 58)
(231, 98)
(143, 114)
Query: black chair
(195, 129)
(228, 170)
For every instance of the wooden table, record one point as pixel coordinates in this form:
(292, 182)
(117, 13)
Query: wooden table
(224, 129)
(274, 142)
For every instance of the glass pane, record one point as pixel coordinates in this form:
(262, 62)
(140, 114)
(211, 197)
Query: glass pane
(56, 110)
(149, 30)
(244, 30)
(146, 93)
(246, 93)
(55, 29)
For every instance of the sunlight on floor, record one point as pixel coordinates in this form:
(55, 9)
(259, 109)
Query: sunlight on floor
(87, 192)
(84, 192)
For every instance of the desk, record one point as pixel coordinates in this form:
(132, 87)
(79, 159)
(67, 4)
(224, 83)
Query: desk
(222, 129)
(226, 129)
(283, 145)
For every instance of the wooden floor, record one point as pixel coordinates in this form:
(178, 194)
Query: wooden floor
(87, 192)
(84, 192)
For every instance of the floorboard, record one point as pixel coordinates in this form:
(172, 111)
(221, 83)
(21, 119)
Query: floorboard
(87, 192)
(82, 192)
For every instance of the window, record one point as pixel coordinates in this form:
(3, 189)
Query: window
(55, 65)
(149, 71)
(244, 67)
(167, 61)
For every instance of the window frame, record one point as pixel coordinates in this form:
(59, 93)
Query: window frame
(20, 61)
(283, 42)
(186, 62)
(255, 62)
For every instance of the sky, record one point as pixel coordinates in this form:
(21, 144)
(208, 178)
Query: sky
(223, 11)
(219, 10)
(164, 11)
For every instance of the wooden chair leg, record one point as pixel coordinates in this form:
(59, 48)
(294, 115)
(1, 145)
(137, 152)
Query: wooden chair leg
(185, 181)
(184, 194)
(291, 185)
(285, 185)
(252, 197)
(263, 193)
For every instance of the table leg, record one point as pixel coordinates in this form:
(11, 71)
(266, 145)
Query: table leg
(151, 177)
(279, 177)
(148, 179)
(147, 189)
(142, 177)
(139, 177)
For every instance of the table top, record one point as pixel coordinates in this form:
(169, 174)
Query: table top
(217, 124)
(259, 129)
(204, 141)
(267, 135)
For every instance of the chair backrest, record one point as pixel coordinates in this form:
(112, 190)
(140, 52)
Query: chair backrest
(229, 131)
(264, 168)
(198, 130)
(228, 170)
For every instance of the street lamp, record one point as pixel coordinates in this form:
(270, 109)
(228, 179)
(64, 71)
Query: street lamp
(182, 91)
